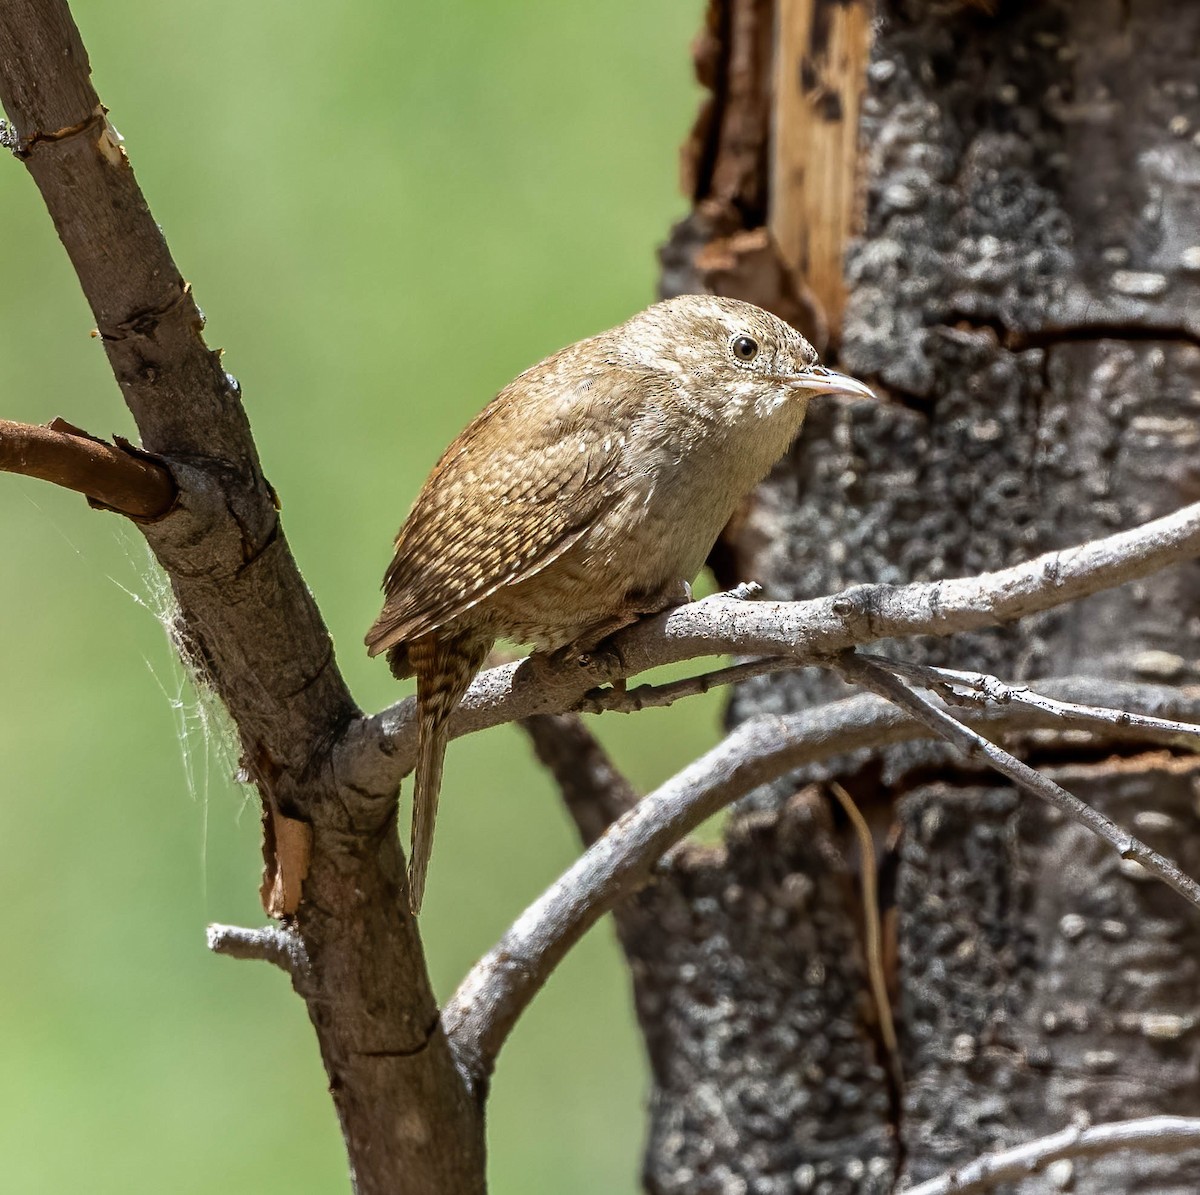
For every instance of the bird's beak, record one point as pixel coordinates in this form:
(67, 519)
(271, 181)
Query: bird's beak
(819, 380)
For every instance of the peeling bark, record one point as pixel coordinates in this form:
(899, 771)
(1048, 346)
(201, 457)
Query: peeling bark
(1024, 297)
(1024, 293)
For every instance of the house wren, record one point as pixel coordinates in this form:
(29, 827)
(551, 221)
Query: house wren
(588, 492)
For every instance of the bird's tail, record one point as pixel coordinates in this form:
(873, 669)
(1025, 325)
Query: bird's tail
(445, 667)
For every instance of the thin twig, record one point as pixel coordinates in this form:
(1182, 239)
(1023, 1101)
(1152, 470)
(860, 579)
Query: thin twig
(862, 670)
(644, 697)
(958, 688)
(873, 931)
(269, 944)
(378, 751)
(1150, 1134)
(500, 986)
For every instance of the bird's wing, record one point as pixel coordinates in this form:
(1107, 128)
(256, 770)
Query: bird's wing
(508, 497)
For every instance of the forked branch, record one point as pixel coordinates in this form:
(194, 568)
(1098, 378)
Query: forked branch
(253, 622)
(250, 623)
(864, 671)
(956, 687)
(500, 986)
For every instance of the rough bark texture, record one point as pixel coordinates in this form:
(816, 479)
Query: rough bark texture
(1024, 293)
(1024, 296)
(750, 988)
(748, 979)
(251, 629)
(1040, 978)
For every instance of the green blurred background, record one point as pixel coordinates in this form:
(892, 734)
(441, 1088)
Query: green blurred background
(386, 210)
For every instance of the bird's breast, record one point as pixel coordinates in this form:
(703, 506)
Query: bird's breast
(665, 509)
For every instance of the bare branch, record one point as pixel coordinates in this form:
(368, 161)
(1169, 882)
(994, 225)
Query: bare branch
(269, 944)
(500, 986)
(250, 626)
(959, 688)
(863, 671)
(378, 751)
(645, 697)
(114, 476)
(1150, 1134)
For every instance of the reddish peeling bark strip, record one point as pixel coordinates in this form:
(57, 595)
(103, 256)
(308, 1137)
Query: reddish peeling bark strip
(114, 476)
(823, 50)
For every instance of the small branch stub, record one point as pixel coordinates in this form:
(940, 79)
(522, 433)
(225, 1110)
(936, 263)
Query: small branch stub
(115, 477)
(269, 944)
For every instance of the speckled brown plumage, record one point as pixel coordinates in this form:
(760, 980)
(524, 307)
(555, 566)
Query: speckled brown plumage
(589, 491)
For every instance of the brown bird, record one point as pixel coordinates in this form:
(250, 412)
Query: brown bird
(587, 493)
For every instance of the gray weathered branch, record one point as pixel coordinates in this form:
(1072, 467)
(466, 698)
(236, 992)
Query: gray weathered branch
(957, 687)
(498, 988)
(646, 697)
(862, 670)
(378, 751)
(1150, 1134)
(270, 944)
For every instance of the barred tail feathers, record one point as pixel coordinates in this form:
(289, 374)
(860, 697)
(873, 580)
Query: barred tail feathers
(445, 667)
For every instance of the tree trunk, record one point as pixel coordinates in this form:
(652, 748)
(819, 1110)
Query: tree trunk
(992, 212)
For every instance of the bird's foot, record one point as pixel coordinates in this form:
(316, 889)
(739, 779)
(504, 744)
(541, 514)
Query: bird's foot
(678, 593)
(592, 651)
(595, 646)
(743, 591)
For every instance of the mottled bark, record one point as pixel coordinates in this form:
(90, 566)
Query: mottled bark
(1041, 979)
(751, 992)
(1023, 293)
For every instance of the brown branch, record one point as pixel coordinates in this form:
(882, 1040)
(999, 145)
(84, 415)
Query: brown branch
(497, 990)
(249, 625)
(1150, 1134)
(253, 629)
(113, 476)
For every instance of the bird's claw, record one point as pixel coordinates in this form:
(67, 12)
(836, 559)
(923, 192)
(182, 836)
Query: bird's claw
(605, 656)
(744, 591)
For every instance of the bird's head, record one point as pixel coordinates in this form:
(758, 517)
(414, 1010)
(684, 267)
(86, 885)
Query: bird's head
(731, 355)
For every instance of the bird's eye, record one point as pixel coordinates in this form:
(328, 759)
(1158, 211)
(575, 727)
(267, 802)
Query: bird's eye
(744, 348)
